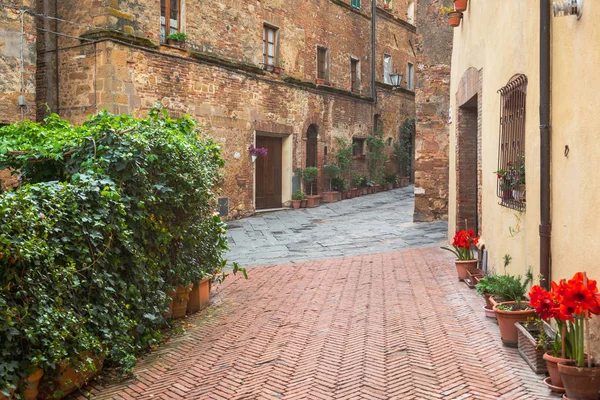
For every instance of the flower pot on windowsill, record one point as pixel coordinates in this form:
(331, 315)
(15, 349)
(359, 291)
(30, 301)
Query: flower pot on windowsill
(296, 204)
(454, 18)
(254, 157)
(506, 321)
(176, 43)
(507, 194)
(387, 7)
(581, 383)
(460, 5)
(199, 297)
(323, 82)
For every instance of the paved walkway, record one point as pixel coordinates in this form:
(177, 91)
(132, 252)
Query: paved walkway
(370, 224)
(396, 325)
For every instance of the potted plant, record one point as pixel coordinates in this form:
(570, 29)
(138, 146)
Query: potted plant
(460, 5)
(331, 172)
(454, 17)
(310, 175)
(177, 39)
(199, 296)
(463, 244)
(512, 290)
(339, 186)
(572, 302)
(485, 287)
(535, 337)
(390, 179)
(505, 183)
(257, 151)
(297, 198)
(179, 297)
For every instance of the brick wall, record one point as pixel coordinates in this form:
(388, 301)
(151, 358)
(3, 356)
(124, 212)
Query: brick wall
(218, 78)
(434, 50)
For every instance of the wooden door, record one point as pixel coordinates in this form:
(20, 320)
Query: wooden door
(268, 173)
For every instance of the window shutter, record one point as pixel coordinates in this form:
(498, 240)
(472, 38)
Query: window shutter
(356, 4)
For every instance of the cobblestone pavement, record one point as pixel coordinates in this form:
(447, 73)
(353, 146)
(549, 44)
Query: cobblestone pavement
(396, 325)
(370, 224)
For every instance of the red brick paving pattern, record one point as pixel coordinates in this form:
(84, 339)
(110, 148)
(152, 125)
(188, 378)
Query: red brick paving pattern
(384, 326)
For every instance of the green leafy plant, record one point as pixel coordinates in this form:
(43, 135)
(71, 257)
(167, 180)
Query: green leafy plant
(310, 175)
(344, 158)
(178, 37)
(331, 172)
(338, 184)
(402, 147)
(390, 178)
(375, 155)
(507, 288)
(111, 215)
(298, 195)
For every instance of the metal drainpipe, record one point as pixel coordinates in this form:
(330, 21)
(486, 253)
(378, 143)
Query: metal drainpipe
(373, 52)
(56, 58)
(545, 224)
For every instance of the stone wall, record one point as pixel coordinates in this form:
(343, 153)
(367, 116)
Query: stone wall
(432, 89)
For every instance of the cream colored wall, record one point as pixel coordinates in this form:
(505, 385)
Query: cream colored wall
(500, 39)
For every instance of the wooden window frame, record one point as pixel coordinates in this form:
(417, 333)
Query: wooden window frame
(167, 16)
(325, 75)
(275, 30)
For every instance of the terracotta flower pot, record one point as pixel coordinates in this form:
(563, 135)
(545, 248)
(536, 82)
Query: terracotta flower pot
(552, 365)
(31, 385)
(462, 268)
(329, 197)
(454, 18)
(317, 201)
(506, 322)
(460, 5)
(199, 296)
(311, 201)
(303, 203)
(71, 376)
(179, 297)
(390, 185)
(489, 312)
(580, 383)
(296, 203)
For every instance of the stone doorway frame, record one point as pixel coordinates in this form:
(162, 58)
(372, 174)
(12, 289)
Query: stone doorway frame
(469, 105)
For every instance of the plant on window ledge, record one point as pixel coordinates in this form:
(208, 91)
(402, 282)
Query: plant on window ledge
(505, 186)
(177, 39)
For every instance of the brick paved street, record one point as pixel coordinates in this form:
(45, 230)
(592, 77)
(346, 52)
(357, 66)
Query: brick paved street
(370, 224)
(396, 325)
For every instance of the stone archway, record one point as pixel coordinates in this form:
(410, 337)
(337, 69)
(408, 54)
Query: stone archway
(468, 151)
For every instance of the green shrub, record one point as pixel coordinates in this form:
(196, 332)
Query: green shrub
(111, 215)
(310, 175)
(338, 184)
(178, 37)
(298, 195)
(331, 172)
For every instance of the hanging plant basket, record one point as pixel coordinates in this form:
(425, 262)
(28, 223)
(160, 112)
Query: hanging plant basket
(460, 5)
(454, 17)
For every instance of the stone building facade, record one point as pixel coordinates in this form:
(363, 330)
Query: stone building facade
(112, 55)
(432, 88)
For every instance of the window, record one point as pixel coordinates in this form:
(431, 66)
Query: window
(387, 4)
(169, 18)
(356, 4)
(410, 12)
(354, 75)
(270, 45)
(323, 63)
(511, 152)
(409, 77)
(389, 142)
(387, 69)
(358, 146)
(377, 123)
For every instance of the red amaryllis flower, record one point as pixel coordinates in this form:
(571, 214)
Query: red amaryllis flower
(591, 284)
(543, 302)
(579, 299)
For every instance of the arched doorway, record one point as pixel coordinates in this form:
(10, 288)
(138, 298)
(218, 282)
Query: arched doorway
(311, 153)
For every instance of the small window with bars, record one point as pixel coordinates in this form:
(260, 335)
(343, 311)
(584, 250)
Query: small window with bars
(323, 63)
(170, 16)
(270, 42)
(355, 75)
(511, 151)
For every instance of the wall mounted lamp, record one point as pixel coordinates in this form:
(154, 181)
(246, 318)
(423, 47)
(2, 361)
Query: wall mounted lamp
(568, 7)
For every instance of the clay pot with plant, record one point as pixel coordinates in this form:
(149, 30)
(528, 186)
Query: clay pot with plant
(177, 39)
(310, 175)
(454, 18)
(571, 303)
(484, 287)
(463, 245)
(331, 172)
(512, 290)
(297, 198)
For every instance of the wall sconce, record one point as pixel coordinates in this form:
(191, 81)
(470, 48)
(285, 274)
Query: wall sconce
(396, 79)
(568, 7)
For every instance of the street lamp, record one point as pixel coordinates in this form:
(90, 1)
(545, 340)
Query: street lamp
(396, 79)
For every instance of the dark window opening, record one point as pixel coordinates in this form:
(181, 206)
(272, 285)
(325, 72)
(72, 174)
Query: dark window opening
(169, 18)
(358, 146)
(511, 150)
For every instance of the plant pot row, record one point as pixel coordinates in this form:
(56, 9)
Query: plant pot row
(188, 299)
(455, 16)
